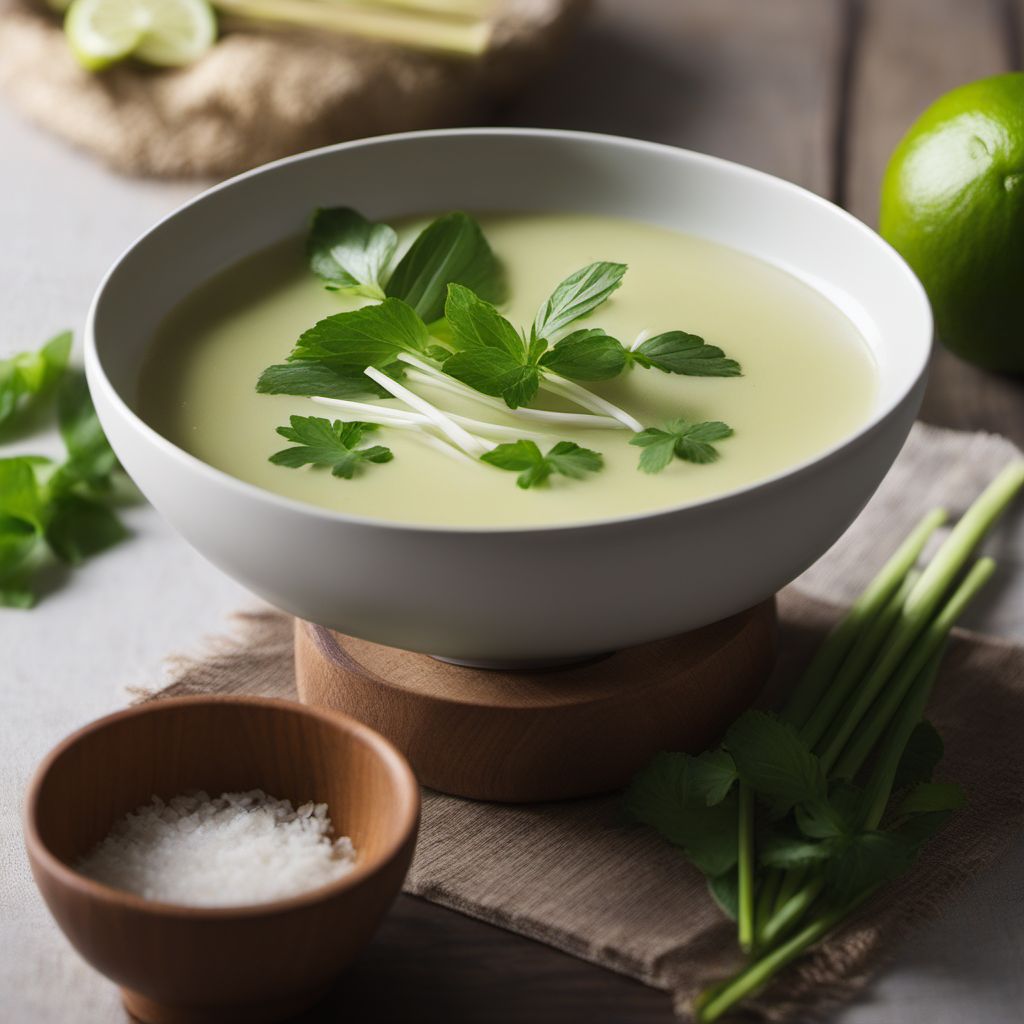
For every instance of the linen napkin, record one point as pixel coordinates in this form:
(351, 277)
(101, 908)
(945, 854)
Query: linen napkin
(580, 876)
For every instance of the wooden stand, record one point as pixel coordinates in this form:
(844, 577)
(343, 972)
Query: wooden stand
(542, 734)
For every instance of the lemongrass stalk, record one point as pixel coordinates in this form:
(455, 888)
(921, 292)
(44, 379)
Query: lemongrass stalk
(926, 595)
(791, 910)
(389, 417)
(879, 787)
(857, 750)
(835, 646)
(424, 373)
(791, 883)
(767, 894)
(588, 400)
(745, 868)
(469, 443)
(723, 997)
(403, 28)
(865, 649)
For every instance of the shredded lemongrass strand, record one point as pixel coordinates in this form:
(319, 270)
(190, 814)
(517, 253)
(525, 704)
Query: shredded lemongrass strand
(469, 443)
(427, 374)
(398, 417)
(640, 339)
(581, 396)
(445, 447)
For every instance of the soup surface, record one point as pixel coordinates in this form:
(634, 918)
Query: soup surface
(808, 377)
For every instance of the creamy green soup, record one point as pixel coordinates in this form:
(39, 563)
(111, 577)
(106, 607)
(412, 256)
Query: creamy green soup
(808, 377)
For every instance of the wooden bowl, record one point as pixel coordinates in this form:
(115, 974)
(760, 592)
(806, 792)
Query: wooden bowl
(199, 965)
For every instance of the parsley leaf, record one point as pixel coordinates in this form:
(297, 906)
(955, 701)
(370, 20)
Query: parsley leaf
(349, 252)
(691, 442)
(491, 356)
(309, 378)
(579, 294)
(371, 336)
(452, 249)
(688, 354)
(91, 460)
(586, 355)
(773, 759)
(31, 374)
(319, 442)
(566, 459)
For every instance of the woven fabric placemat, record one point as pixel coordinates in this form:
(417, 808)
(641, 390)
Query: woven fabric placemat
(579, 876)
(262, 94)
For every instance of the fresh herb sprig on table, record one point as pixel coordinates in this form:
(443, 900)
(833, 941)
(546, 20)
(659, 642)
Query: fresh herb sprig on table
(800, 817)
(434, 323)
(61, 508)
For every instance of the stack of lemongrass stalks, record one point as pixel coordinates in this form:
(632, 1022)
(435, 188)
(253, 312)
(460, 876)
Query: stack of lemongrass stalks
(800, 817)
(454, 28)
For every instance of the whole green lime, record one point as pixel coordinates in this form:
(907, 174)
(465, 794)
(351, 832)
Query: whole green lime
(953, 206)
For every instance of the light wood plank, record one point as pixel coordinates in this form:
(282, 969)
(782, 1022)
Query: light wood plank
(744, 79)
(909, 52)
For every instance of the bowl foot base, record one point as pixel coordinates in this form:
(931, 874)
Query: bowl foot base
(266, 1011)
(518, 735)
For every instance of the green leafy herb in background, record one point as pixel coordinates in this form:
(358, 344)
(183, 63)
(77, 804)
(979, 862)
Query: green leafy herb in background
(566, 458)
(49, 508)
(319, 442)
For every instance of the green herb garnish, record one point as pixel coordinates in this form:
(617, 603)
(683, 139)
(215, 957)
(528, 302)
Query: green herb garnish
(691, 442)
(349, 252)
(50, 508)
(524, 457)
(29, 375)
(796, 822)
(319, 442)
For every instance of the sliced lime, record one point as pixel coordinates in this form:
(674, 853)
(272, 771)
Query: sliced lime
(163, 32)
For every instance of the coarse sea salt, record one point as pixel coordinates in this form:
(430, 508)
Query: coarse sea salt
(234, 849)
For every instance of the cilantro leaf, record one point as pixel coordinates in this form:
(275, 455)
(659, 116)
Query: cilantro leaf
(30, 374)
(691, 442)
(579, 294)
(586, 355)
(79, 527)
(349, 252)
(306, 377)
(90, 457)
(452, 249)
(663, 796)
(773, 759)
(319, 442)
(920, 756)
(566, 459)
(371, 336)
(688, 354)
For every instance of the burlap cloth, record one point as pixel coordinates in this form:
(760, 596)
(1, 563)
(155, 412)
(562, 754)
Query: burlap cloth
(262, 94)
(579, 876)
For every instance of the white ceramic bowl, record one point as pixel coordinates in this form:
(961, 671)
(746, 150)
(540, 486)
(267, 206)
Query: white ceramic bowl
(538, 593)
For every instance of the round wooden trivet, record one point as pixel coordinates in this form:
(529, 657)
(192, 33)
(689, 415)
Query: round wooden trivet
(542, 734)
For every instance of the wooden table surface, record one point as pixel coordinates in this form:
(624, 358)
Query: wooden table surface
(815, 91)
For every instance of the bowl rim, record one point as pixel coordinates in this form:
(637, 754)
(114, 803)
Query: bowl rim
(407, 789)
(915, 291)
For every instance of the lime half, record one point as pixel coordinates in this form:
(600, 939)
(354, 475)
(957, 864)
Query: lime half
(163, 32)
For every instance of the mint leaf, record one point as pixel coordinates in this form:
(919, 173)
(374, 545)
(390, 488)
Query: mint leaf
(688, 354)
(306, 377)
(452, 249)
(524, 457)
(691, 442)
(371, 336)
(490, 357)
(79, 527)
(773, 760)
(586, 355)
(712, 775)
(579, 294)
(320, 442)
(929, 797)
(21, 497)
(920, 756)
(663, 796)
(31, 374)
(90, 457)
(18, 539)
(349, 252)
